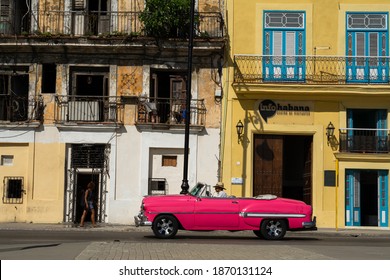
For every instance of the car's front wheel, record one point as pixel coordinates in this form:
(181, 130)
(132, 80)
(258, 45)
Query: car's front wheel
(165, 226)
(273, 229)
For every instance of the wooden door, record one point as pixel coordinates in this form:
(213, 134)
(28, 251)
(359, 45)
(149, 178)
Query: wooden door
(268, 164)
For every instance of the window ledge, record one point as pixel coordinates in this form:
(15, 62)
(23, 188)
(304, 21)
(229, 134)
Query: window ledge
(20, 125)
(169, 127)
(88, 126)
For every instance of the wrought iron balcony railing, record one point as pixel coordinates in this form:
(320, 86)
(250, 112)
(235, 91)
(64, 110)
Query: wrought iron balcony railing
(170, 111)
(311, 69)
(364, 140)
(82, 23)
(88, 109)
(14, 108)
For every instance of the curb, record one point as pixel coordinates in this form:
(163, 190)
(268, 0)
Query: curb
(356, 232)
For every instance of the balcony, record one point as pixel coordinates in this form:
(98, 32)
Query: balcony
(169, 112)
(80, 109)
(19, 109)
(356, 140)
(82, 23)
(258, 69)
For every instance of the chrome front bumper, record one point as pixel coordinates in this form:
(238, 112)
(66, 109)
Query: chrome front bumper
(310, 225)
(141, 220)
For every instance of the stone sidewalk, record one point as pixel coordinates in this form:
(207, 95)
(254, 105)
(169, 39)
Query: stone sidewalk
(166, 250)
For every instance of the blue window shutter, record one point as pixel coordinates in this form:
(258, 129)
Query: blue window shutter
(349, 131)
(383, 186)
(382, 135)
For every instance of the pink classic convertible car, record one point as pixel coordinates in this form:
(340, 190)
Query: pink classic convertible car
(267, 216)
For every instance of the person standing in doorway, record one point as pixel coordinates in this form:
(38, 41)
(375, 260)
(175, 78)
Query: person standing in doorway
(89, 204)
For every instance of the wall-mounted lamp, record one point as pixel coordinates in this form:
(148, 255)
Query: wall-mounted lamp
(330, 131)
(240, 129)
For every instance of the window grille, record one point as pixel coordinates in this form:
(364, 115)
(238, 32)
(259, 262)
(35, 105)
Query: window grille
(284, 20)
(88, 156)
(367, 21)
(13, 190)
(158, 186)
(79, 5)
(5, 9)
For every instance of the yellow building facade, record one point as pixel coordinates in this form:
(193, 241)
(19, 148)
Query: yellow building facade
(306, 106)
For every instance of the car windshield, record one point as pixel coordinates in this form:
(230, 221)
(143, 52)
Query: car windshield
(197, 189)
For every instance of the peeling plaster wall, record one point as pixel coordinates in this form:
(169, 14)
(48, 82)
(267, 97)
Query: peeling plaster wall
(206, 90)
(130, 80)
(209, 5)
(135, 5)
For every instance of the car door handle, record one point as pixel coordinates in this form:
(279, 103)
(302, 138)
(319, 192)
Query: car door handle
(235, 201)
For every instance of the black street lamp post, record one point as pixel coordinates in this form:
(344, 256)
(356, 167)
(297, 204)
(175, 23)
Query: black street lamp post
(184, 185)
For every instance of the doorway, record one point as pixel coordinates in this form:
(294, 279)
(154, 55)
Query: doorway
(89, 96)
(168, 91)
(366, 198)
(82, 180)
(283, 166)
(99, 17)
(88, 162)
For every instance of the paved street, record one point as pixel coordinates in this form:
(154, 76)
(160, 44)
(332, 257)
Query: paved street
(113, 242)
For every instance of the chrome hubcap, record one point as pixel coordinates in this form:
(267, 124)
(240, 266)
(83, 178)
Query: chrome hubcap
(274, 228)
(165, 227)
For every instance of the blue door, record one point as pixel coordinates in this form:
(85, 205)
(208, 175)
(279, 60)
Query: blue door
(283, 62)
(383, 198)
(367, 48)
(352, 198)
(284, 46)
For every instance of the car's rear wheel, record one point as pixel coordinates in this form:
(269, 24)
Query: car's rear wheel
(273, 229)
(165, 226)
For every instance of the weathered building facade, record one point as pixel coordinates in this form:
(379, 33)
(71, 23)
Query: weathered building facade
(87, 95)
(308, 105)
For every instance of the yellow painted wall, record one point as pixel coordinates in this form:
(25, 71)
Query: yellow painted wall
(42, 168)
(46, 198)
(19, 168)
